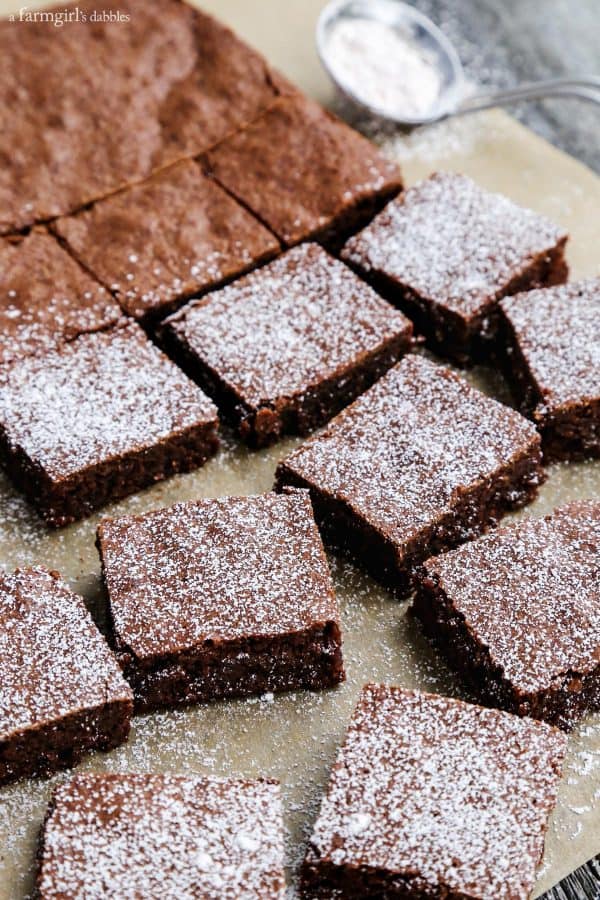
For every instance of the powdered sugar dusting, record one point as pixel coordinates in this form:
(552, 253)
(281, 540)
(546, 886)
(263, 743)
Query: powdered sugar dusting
(558, 333)
(216, 570)
(434, 435)
(288, 326)
(53, 659)
(452, 797)
(46, 297)
(162, 835)
(530, 594)
(452, 242)
(99, 396)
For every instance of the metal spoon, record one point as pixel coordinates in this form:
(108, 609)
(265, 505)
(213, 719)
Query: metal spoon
(454, 97)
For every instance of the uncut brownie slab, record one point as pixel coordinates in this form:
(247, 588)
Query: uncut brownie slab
(160, 242)
(304, 172)
(518, 612)
(286, 347)
(97, 419)
(148, 836)
(221, 598)
(420, 462)
(46, 298)
(431, 797)
(93, 106)
(549, 342)
(445, 251)
(62, 692)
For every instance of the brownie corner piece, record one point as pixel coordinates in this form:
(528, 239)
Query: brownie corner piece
(517, 612)
(434, 797)
(151, 835)
(420, 462)
(548, 343)
(167, 572)
(304, 172)
(284, 348)
(446, 251)
(97, 419)
(176, 235)
(63, 693)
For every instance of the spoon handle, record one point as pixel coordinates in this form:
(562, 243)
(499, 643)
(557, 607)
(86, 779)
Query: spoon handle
(580, 88)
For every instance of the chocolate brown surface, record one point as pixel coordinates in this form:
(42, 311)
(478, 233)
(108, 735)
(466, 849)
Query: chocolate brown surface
(304, 172)
(223, 597)
(432, 797)
(92, 106)
(97, 419)
(420, 462)
(46, 298)
(62, 693)
(549, 343)
(518, 612)
(286, 347)
(160, 242)
(446, 251)
(148, 836)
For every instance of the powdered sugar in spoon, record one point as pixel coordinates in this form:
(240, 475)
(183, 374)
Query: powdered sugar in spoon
(390, 59)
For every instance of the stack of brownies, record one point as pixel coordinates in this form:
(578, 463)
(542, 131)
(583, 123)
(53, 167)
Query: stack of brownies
(209, 243)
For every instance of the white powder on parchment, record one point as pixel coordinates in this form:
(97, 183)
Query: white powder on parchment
(383, 68)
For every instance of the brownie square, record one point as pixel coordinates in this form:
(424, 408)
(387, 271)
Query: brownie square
(432, 797)
(304, 172)
(160, 242)
(549, 340)
(171, 836)
(286, 347)
(221, 598)
(46, 297)
(518, 612)
(62, 692)
(420, 462)
(97, 419)
(93, 105)
(446, 251)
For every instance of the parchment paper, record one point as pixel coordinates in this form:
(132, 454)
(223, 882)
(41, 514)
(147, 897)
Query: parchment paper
(294, 737)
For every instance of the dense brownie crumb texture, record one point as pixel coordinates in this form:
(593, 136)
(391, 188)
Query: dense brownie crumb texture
(62, 692)
(97, 419)
(286, 347)
(550, 344)
(449, 462)
(223, 597)
(445, 251)
(433, 797)
(518, 611)
(163, 836)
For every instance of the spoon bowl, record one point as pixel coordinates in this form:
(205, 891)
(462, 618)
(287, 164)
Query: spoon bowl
(434, 53)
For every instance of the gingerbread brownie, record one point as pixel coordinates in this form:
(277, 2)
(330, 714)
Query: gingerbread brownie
(285, 348)
(63, 693)
(98, 104)
(221, 598)
(46, 297)
(518, 612)
(304, 172)
(420, 462)
(431, 797)
(157, 244)
(548, 341)
(171, 836)
(446, 251)
(97, 419)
